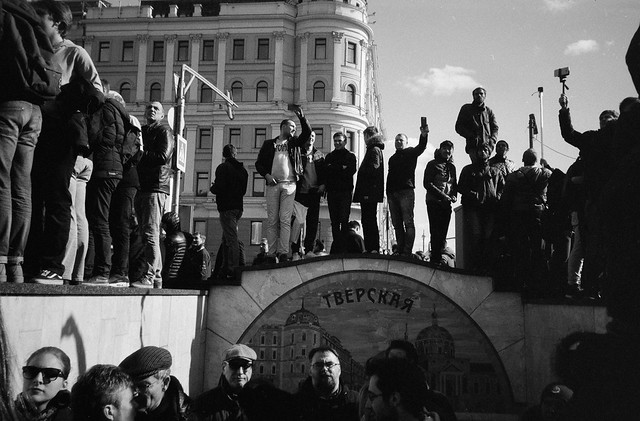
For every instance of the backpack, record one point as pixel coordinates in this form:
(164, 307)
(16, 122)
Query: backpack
(26, 69)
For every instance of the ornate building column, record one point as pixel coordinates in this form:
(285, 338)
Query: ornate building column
(364, 65)
(88, 43)
(338, 58)
(169, 89)
(222, 60)
(304, 60)
(278, 71)
(191, 134)
(194, 64)
(142, 66)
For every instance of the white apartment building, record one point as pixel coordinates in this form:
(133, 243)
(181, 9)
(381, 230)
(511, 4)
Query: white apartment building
(319, 54)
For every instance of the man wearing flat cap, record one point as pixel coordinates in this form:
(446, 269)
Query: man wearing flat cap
(236, 398)
(160, 395)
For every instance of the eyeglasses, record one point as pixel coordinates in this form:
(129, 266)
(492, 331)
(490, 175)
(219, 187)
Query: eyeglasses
(30, 372)
(372, 396)
(328, 365)
(236, 364)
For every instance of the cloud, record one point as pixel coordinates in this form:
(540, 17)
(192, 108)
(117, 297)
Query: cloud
(559, 5)
(441, 82)
(583, 46)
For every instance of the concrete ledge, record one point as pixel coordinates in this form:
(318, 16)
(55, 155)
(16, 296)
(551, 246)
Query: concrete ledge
(8, 288)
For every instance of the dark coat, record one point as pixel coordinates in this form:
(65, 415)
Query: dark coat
(402, 167)
(478, 125)
(230, 185)
(480, 185)
(341, 165)
(370, 180)
(154, 168)
(440, 181)
(341, 407)
(57, 409)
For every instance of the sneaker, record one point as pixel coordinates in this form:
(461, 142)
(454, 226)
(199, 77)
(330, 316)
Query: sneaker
(47, 277)
(143, 282)
(119, 281)
(97, 281)
(282, 257)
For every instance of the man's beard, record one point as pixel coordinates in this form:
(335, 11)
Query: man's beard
(325, 385)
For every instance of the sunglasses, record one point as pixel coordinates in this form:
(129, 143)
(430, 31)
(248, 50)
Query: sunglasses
(30, 372)
(236, 364)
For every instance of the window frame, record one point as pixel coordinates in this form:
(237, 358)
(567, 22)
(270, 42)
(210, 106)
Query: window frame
(256, 181)
(182, 49)
(262, 48)
(202, 138)
(256, 234)
(320, 46)
(237, 52)
(152, 90)
(208, 46)
(257, 144)
(128, 47)
(352, 53)
(317, 88)
(262, 89)
(104, 51)
(198, 179)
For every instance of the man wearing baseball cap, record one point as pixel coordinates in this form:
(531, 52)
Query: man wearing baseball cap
(160, 395)
(234, 400)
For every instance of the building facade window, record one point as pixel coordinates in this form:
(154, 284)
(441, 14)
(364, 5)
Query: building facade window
(202, 183)
(321, 49)
(259, 137)
(205, 140)
(125, 91)
(183, 51)
(258, 187)
(127, 50)
(206, 94)
(234, 136)
(274, 341)
(351, 94)
(236, 91)
(319, 131)
(351, 52)
(104, 51)
(262, 91)
(318, 92)
(351, 140)
(256, 232)
(208, 49)
(273, 369)
(200, 225)
(238, 49)
(155, 92)
(263, 48)
(157, 53)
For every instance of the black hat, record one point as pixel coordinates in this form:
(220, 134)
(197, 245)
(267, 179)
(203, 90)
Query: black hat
(447, 143)
(146, 362)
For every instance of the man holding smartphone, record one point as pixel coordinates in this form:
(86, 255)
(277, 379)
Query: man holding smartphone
(401, 184)
(280, 163)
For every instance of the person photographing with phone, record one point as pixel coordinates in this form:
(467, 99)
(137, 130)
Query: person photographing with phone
(280, 163)
(401, 184)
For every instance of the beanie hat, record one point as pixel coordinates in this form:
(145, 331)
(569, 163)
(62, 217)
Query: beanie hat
(446, 143)
(146, 362)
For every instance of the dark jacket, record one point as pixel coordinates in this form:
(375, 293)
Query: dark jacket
(353, 242)
(505, 165)
(318, 159)
(57, 409)
(341, 407)
(480, 185)
(341, 165)
(478, 125)
(173, 406)
(440, 180)
(402, 167)
(370, 180)
(268, 150)
(526, 189)
(26, 72)
(257, 401)
(197, 264)
(154, 169)
(107, 129)
(230, 185)
(595, 148)
(175, 244)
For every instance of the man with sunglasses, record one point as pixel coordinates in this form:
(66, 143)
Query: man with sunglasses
(160, 395)
(322, 397)
(224, 402)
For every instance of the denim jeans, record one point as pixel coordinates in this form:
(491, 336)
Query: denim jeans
(339, 204)
(229, 222)
(20, 124)
(99, 194)
(576, 257)
(122, 221)
(279, 210)
(78, 243)
(150, 206)
(401, 204)
(369, 218)
(439, 219)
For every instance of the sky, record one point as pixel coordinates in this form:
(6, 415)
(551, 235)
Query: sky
(432, 53)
